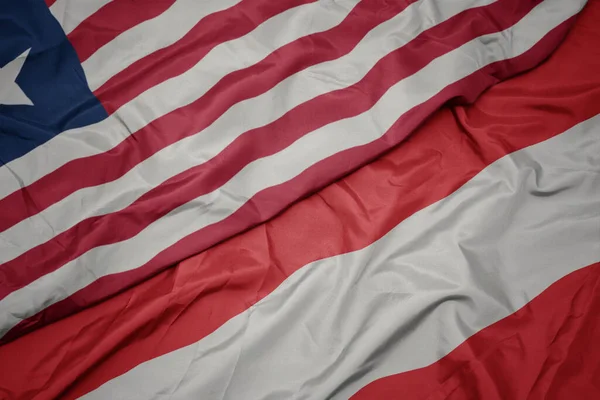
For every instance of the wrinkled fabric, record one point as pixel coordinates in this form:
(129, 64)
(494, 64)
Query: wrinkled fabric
(546, 350)
(212, 166)
(182, 305)
(409, 298)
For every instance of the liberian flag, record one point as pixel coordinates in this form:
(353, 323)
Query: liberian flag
(299, 199)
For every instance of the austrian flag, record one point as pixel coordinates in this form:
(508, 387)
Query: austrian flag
(300, 199)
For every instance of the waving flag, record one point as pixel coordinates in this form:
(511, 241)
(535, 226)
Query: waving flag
(136, 136)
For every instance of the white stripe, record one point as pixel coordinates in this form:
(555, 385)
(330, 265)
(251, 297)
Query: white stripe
(71, 13)
(285, 165)
(194, 150)
(148, 37)
(408, 299)
(173, 93)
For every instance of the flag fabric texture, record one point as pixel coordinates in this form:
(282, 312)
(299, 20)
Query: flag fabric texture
(299, 199)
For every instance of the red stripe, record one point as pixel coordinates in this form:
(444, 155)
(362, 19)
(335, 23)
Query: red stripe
(183, 304)
(546, 350)
(174, 60)
(110, 21)
(186, 121)
(49, 2)
(265, 141)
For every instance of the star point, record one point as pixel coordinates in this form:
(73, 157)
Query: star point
(10, 92)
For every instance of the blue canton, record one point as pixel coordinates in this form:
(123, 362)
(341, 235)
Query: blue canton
(51, 77)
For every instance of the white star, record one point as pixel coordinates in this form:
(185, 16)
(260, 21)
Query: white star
(10, 92)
